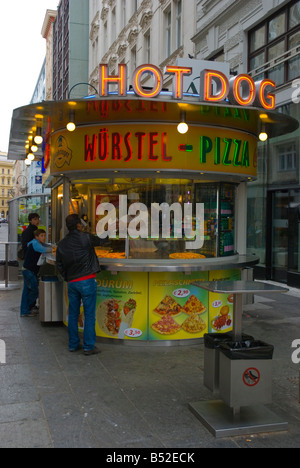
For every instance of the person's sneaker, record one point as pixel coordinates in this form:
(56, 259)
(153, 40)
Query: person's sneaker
(76, 349)
(91, 352)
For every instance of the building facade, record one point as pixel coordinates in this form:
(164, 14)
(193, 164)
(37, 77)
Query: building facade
(71, 49)
(6, 184)
(136, 32)
(47, 34)
(262, 38)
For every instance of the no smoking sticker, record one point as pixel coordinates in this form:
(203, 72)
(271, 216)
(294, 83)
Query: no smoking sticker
(251, 377)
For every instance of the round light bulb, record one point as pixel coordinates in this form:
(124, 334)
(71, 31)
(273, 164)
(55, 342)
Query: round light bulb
(263, 136)
(71, 126)
(38, 139)
(183, 128)
(34, 148)
(27, 162)
(30, 157)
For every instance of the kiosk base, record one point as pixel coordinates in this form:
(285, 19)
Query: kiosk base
(218, 418)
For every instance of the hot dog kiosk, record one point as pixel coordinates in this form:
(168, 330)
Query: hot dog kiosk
(172, 205)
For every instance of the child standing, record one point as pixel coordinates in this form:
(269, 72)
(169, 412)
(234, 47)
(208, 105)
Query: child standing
(30, 271)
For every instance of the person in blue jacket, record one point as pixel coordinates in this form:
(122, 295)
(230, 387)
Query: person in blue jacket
(30, 272)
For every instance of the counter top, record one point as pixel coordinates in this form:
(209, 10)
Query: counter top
(226, 263)
(147, 265)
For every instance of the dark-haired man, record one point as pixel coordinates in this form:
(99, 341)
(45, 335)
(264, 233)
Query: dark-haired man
(28, 234)
(78, 264)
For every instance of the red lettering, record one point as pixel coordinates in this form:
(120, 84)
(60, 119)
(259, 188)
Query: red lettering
(103, 144)
(116, 142)
(90, 148)
(152, 143)
(128, 147)
(140, 136)
(119, 147)
(164, 141)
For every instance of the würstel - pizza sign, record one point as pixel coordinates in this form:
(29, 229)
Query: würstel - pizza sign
(239, 90)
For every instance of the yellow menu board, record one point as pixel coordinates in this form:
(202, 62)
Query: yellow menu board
(177, 309)
(221, 305)
(122, 303)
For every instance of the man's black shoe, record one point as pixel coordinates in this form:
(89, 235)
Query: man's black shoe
(92, 352)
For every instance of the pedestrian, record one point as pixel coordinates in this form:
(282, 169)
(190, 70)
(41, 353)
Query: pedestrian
(78, 264)
(30, 271)
(28, 233)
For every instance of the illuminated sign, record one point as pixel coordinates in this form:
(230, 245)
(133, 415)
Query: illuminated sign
(239, 90)
(119, 146)
(130, 147)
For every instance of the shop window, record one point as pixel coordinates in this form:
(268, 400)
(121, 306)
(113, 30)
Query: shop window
(172, 221)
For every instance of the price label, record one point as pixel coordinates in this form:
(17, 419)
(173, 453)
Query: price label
(133, 332)
(181, 293)
(217, 304)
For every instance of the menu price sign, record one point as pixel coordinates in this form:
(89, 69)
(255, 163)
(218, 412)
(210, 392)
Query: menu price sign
(221, 305)
(122, 303)
(177, 309)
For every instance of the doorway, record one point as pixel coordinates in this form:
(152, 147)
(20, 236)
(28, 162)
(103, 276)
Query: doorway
(284, 222)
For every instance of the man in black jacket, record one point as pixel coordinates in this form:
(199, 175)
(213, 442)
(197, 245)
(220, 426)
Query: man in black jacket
(78, 264)
(28, 234)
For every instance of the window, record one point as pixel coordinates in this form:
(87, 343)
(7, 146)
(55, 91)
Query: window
(274, 46)
(148, 47)
(168, 19)
(123, 13)
(178, 23)
(287, 157)
(113, 25)
(173, 27)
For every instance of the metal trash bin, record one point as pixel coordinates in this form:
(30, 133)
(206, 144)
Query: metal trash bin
(212, 343)
(51, 300)
(246, 373)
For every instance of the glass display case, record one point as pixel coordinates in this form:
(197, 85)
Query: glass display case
(161, 218)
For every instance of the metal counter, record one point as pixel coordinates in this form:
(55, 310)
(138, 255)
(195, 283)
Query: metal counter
(146, 265)
(237, 261)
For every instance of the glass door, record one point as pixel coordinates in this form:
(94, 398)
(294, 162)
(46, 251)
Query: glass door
(285, 234)
(280, 230)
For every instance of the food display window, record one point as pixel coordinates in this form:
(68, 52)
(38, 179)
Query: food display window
(161, 217)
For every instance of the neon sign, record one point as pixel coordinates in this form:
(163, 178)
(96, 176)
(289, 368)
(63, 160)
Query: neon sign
(239, 90)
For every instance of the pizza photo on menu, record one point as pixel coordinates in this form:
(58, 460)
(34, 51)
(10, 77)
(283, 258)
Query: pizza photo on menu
(193, 324)
(166, 326)
(194, 306)
(168, 306)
